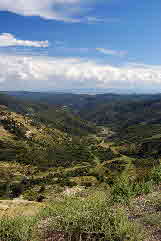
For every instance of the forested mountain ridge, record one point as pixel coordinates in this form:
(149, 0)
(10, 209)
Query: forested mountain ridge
(129, 116)
(107, 109)
(55, 115)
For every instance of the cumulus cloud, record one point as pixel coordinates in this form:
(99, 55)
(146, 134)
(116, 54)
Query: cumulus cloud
(7, 39)
(112, 52)
(49, 9)
(24, 72)
(61, 10)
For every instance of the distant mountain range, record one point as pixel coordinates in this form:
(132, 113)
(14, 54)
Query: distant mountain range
(135, 116)
(93, 91)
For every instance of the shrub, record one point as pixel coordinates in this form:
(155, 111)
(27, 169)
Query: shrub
(92, 216)
(32, 195)
(16, 229)
(122, 190)
(142, 188)
(156, 175)
(74, 218)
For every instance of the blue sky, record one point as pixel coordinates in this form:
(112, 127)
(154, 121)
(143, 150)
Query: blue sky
(51, 44)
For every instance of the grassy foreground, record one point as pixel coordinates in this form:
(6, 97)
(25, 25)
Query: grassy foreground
(118, 213)
(72, 218)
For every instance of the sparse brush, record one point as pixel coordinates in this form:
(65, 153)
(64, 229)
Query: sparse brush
(16, 228)
(90, 216)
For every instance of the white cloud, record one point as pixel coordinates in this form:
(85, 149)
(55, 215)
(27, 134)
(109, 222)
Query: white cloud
(7, 39)
(112, 52)
(61, 10)
(49, 9)
(43, 72)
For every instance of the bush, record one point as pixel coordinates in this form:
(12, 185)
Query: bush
(74, 218)
(122, 190)
(32, 195)
(142, 188)
(93, 216)
(16, 229)
(156, 175)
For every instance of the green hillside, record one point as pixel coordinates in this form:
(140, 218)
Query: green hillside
(63, 176)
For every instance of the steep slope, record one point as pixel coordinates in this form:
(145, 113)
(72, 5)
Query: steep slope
(47, 155)
(55, 116)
